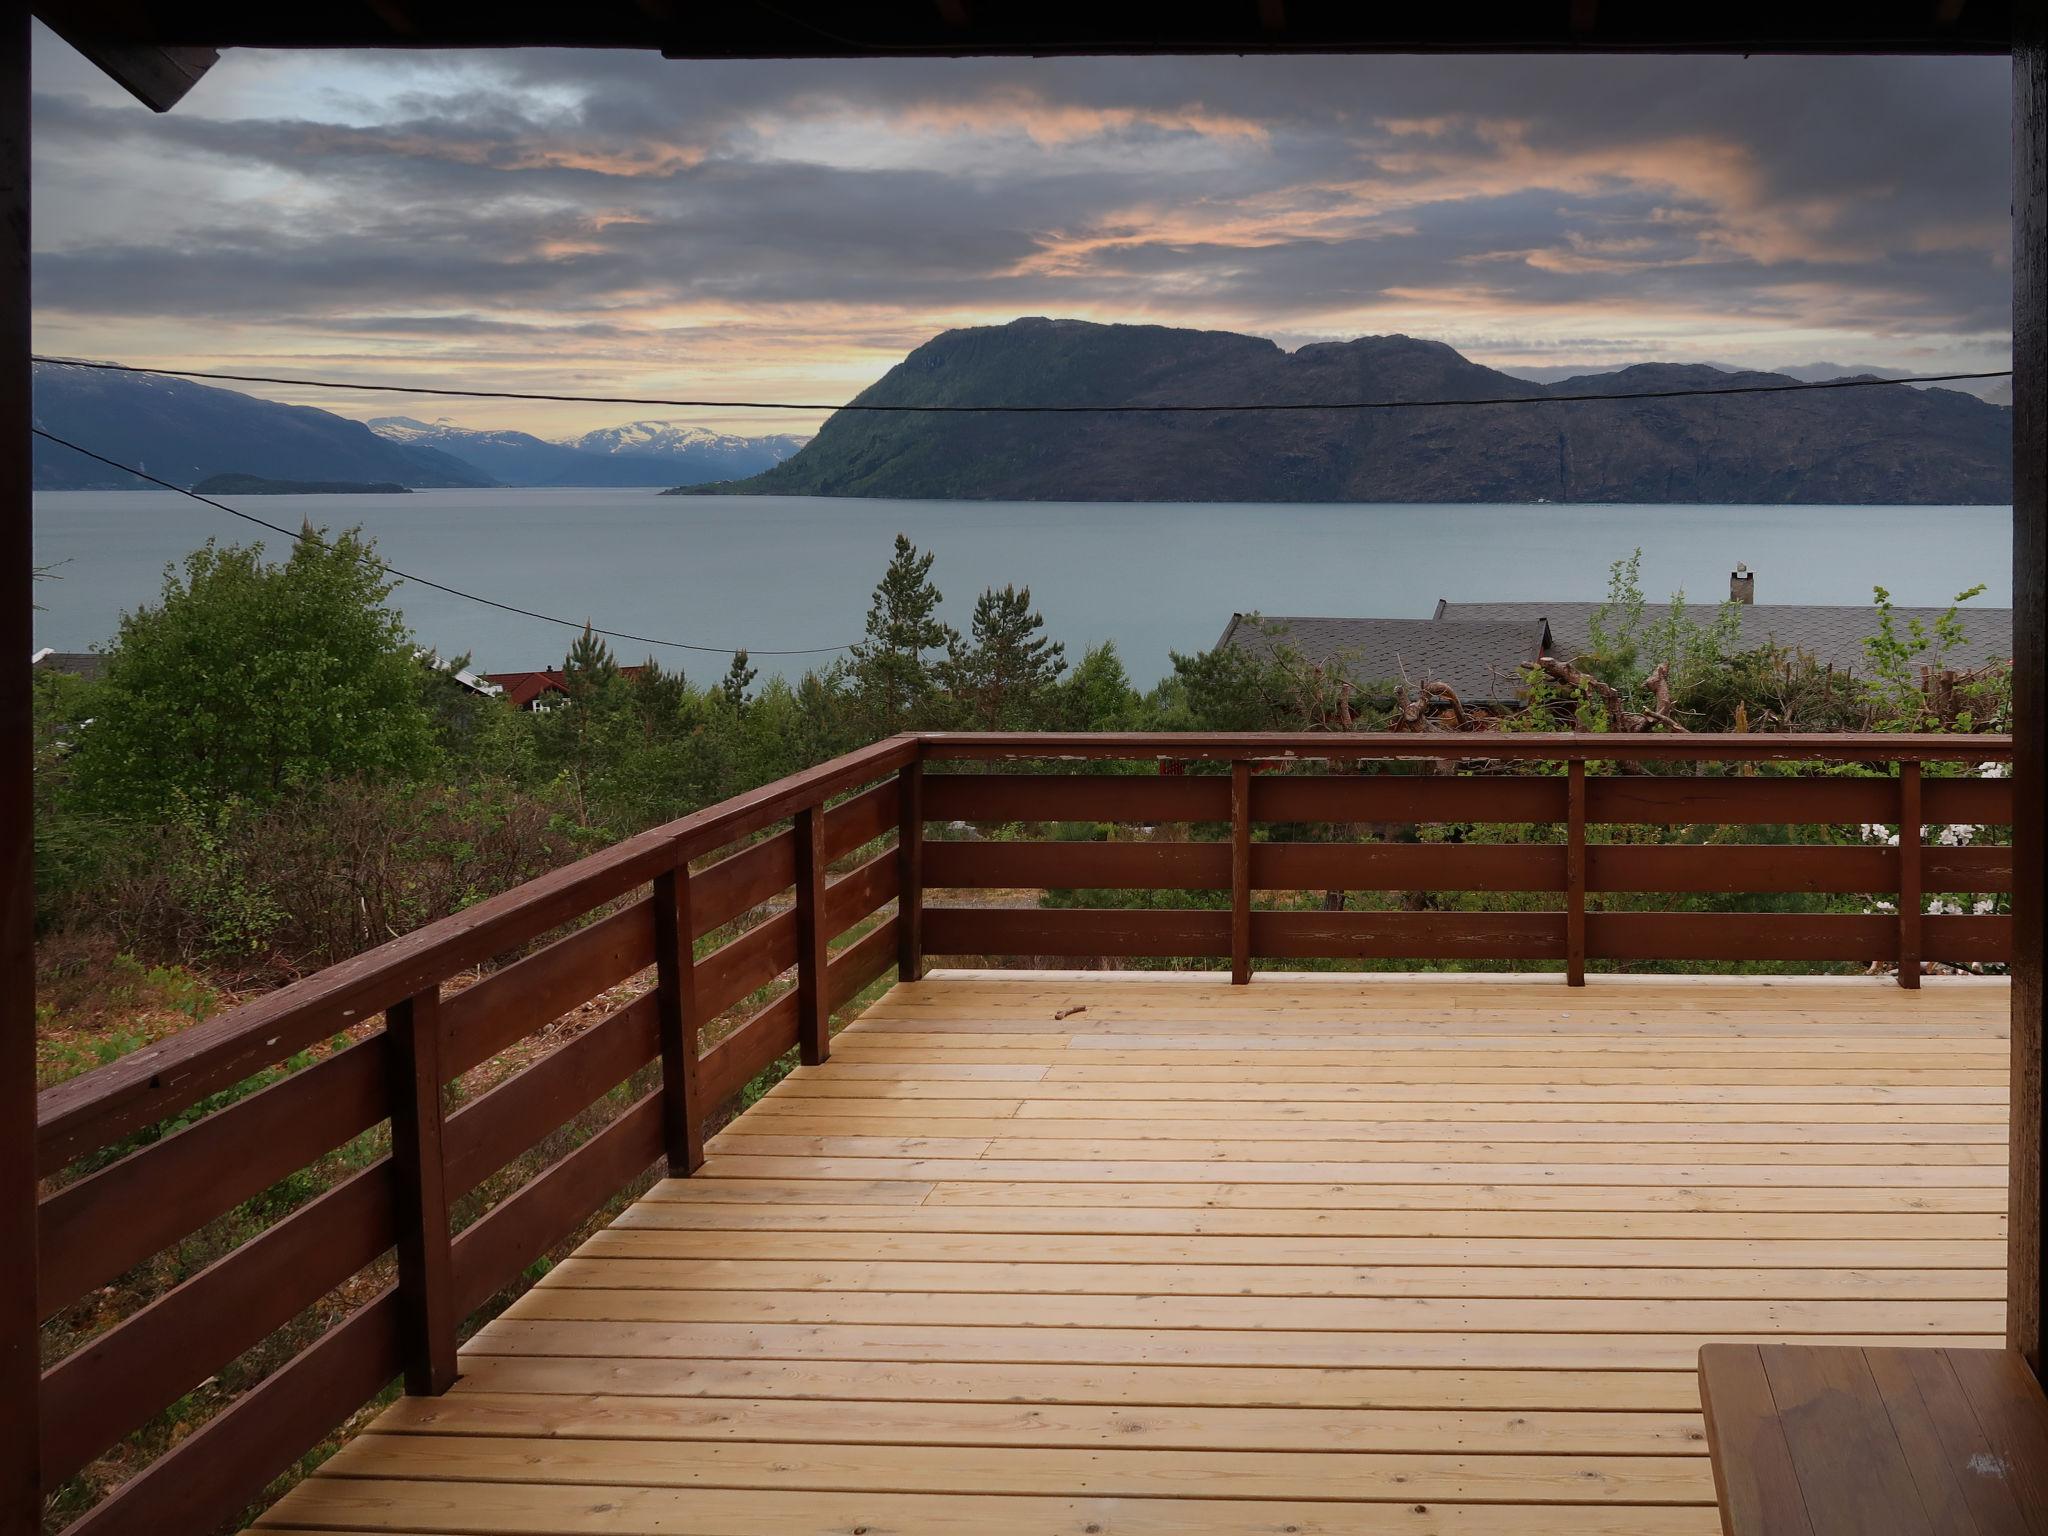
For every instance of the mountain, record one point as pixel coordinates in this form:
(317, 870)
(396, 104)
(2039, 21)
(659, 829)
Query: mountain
(699, 448)
(185, 432)
(1997, 391)
(645, 453)
(1900, 446)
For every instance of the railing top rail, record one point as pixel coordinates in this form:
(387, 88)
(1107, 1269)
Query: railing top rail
(1506, 746)
(85, 1113)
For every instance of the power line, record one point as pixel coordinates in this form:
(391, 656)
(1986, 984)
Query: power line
(1242, 407)
(438, 586)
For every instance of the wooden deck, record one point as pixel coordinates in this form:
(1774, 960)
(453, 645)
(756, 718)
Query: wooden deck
(1104, 1255)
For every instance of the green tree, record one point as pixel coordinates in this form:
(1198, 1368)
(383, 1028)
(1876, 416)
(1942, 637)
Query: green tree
(1905, 666)
(247, 678)
(1004, 674)
(739, 677)
(588, 670)
(1097, 694)
(892, 671)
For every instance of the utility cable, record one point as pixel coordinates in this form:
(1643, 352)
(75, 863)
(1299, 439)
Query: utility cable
(1791, 387)
(438, 586)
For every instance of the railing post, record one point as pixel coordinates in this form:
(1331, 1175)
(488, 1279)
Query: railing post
(675, 1002)
(910, 874)
(426, 1292)
(813, 1002)
(1909, 874)
(1240, 873)
(1575, 874)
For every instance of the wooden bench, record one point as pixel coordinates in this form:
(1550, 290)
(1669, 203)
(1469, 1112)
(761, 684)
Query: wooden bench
(1812, 1440)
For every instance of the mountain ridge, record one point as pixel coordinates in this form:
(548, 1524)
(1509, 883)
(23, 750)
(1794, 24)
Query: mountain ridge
(639, 453)
(1883, 446)
(186, 432)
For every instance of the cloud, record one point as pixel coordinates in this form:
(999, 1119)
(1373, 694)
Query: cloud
(796, 226)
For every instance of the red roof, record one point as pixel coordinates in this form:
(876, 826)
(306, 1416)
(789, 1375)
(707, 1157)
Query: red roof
(522, 688)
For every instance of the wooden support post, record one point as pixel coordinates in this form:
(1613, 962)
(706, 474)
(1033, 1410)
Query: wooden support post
(910, 874)
(2026, 1235)
(1910, 895)
(1575, 874)
(813, 999)
(21, 1494)
(675, 1001)
(426, 1288)
(1240, 873)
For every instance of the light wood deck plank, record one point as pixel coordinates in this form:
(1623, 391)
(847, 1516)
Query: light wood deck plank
(1428, 1255)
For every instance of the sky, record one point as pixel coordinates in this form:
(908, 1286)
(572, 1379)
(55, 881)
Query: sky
(598, 222)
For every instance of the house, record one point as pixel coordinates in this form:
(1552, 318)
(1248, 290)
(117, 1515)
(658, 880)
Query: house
(1480, 649)
(90, 665)
(537, 690)
(1482, 659)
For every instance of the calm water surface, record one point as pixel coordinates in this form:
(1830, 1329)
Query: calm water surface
(781, 572)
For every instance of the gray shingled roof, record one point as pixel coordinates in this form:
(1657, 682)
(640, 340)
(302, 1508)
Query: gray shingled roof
(1831, 635)
(86, 664)
(1481, 659)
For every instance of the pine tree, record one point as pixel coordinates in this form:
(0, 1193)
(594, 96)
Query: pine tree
(588, 668)
(739, 677)
(1006, 673)
(895, 681)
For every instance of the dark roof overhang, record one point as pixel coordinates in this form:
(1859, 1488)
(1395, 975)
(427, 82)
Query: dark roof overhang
(158, 48)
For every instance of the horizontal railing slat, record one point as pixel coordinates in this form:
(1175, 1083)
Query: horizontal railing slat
(1740, 868)
(1967, 802)
(729, 1065)
(860, 963)
(121, 1379)
(211, 1476)
(105, 1224)
(1075, 866)
(860, 891)
(1405, 798)
(1967, 939)
(490, 1254)
(1985, 869)
(741, 882)
(482, 1137)
(1074, 931)
(1074, 797)
(1409, 935)
(1741, 936)
(509, 1004)
(1739, 801)
(867, 816)
(748, 962)
(1407, 867)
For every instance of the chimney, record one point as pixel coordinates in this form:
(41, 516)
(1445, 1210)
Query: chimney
(1741, 584)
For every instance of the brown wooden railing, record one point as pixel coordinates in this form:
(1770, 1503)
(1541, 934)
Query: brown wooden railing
(1639, 786)
(648, 903)
(655, 905)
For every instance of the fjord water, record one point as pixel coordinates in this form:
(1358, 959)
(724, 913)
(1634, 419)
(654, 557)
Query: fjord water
(780, 573)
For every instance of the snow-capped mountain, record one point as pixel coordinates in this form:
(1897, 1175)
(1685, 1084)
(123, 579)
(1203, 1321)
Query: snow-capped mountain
(656, 453)
(675, 439)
